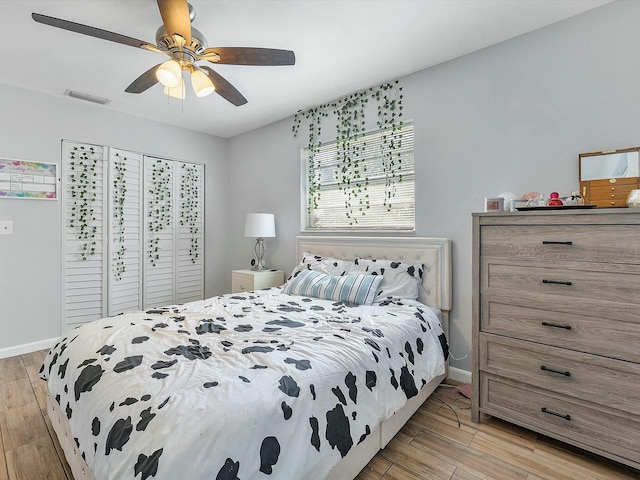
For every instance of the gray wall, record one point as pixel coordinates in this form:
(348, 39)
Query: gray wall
(512, 117)
(31, 128)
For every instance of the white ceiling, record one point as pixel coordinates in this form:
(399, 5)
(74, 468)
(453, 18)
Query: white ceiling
(341, 46)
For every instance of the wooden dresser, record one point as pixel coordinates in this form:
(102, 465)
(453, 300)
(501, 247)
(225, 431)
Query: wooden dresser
(556, 325)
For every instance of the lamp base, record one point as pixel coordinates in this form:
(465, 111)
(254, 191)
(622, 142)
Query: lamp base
(260, 250)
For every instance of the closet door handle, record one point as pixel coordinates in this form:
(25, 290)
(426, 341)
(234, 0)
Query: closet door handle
(557, 282)
(550, 242)
(551, 412)
(556, 325)
(547, 369)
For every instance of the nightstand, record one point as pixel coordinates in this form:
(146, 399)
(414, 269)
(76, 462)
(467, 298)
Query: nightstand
(248, 280)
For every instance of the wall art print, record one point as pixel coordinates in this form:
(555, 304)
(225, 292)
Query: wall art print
(24, 179)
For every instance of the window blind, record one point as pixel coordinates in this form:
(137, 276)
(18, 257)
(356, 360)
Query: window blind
(380, 201)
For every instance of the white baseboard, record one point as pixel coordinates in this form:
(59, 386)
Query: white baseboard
(459, 375)
(27, 348)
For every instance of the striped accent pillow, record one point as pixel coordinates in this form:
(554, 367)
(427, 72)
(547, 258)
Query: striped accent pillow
(353, 289)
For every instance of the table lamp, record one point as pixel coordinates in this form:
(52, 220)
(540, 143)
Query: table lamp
(260, 225)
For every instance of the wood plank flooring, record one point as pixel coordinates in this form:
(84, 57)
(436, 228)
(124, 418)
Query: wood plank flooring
(431, 446)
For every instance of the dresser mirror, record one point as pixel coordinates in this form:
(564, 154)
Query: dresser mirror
(606, 178)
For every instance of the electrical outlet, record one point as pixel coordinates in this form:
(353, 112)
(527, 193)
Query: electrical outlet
(6, 227)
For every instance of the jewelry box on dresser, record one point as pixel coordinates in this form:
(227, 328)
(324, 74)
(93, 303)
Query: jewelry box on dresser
(556, 325)
(607, 178)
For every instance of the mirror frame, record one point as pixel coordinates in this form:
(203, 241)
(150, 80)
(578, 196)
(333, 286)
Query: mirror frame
(606, 152)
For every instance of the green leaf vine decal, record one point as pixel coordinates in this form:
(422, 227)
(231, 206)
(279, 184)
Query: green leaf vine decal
(83, 163)
(350, 114)
(119, 196)
(189, 206)
(159, 207)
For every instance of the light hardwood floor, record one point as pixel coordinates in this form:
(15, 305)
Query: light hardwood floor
(431, 446)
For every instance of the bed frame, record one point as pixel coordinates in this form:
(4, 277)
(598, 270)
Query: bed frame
(433, 253)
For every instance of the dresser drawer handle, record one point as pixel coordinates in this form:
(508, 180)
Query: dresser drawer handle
(550, 242)
(551, 412)
(556, 325)
(547, 369)
(557, 282)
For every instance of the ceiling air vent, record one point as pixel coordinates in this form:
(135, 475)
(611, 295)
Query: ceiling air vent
(86, 97)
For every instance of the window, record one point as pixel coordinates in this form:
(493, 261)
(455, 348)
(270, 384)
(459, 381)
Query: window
(340, 194)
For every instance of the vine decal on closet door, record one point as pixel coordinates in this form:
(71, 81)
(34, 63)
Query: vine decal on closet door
(124, 285)
(160, 206)
(189, 232)
(119, 196)
(190, 205)
(83, 174)
(83, 170)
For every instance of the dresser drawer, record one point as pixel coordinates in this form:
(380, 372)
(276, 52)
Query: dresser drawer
(593, 243)
(611, 331)
(577, 422)
(599, 380)
(573, 282)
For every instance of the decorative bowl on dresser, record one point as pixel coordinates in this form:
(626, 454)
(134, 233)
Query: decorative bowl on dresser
(556, 325)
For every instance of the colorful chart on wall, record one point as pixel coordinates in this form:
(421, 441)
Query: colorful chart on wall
(23, 179)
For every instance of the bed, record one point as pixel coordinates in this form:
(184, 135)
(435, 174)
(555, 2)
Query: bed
(266, 384)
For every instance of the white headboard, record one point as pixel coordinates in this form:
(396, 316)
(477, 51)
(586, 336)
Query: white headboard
(433, 253)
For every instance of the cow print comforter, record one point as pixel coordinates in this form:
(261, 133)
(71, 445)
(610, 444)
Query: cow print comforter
(238, 387)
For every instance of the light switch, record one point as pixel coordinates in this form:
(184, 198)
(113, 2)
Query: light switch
(6, 227)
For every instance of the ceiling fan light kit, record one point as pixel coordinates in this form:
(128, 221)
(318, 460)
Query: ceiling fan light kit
(185, 46)
(179, 91)
(201, 83)
(169, 73)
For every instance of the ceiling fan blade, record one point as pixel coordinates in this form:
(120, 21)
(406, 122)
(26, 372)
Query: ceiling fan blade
(175, 16)
(143, 82)
(224, 88)
(249, 56)
(93, 31)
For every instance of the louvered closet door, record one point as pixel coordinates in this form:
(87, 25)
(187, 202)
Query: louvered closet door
(159, 238)
(190, 231)
(83, 179)
(133, 232)
(125, 227)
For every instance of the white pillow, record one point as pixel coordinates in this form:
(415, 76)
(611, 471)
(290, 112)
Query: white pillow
(329, 265)
(399, 280)
(352, 289)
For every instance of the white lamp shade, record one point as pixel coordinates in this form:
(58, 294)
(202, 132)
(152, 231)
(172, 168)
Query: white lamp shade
(201, 83)
(260, 225)
(176, 92)
(169, 73)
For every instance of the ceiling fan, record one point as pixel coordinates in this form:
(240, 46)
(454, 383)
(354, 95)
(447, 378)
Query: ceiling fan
(185, 46)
